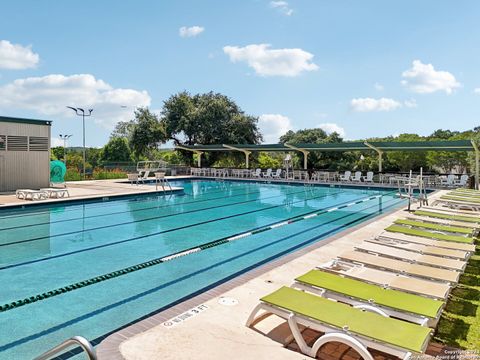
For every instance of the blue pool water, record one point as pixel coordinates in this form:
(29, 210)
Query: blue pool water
(44, 248)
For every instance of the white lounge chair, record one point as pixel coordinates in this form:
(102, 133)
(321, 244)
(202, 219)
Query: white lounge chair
(28, 194)
(56, 193)
(346, 176)
(368, 178)
(357, 177)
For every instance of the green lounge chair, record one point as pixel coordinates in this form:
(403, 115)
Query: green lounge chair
(457, 204)
(429, 234)
(435, 227)
(341, 323)
(465, 198)
(466, 218)
(470, 248)
(399, 304)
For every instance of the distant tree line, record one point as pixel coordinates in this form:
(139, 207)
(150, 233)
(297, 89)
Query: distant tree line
(213, 118)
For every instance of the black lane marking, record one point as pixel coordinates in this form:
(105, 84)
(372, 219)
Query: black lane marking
(146, 264)
(97, 340)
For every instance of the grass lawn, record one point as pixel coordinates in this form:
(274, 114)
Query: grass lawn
(459, 325)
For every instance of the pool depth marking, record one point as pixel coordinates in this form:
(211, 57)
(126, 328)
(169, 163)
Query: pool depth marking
(147, 264)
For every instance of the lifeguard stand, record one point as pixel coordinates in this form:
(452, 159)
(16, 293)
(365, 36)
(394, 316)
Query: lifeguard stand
(287, 164)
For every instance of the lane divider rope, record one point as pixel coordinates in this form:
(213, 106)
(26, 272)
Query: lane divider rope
(147, 264)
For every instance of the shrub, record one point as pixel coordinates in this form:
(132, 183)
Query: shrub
(100, 174)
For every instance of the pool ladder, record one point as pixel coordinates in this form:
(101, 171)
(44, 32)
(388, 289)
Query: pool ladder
(76, 340)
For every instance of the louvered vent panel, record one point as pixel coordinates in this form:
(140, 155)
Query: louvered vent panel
(3, 142)
(37, 143)
(17, 143)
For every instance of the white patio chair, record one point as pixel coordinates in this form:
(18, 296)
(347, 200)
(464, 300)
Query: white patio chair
(357, 177)
(267, 174)
(277, 174)
(448, 181)
(368, 178)
(257, 173)
(462, 181)
(346, 176)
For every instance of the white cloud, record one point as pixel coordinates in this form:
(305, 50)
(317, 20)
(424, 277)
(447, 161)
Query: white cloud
(370, 104)
(272, 126)
(54, 142)
(16, 57)
(410, 103)
(49, 95)
(281, 6)
(272, 62)
(476, 90)
(424, 79)
(331, 127)
(191, 31)
(378, 87)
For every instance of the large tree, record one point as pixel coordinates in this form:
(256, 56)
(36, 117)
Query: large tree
(209, 118)
(146, 133)
(316, 159)
(117, 149)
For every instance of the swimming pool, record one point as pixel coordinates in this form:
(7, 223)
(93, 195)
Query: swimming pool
(90, 268)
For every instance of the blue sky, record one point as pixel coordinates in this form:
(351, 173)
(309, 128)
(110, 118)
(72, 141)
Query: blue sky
(365, 68)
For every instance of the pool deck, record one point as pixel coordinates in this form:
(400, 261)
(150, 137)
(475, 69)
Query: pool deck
(219, 331)
(89, 189)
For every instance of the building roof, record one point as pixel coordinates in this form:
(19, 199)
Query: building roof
(25, 121)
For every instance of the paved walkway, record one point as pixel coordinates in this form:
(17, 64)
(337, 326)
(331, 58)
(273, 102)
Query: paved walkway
(88, 189)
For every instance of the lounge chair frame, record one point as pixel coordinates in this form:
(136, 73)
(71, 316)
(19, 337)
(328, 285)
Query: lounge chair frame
(329, 267)
(331, 334)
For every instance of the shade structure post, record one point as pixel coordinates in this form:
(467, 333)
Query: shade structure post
(303, 151)
(305, 159)
(199, 159)
(247, 155)
(477, 161)
(380, 155)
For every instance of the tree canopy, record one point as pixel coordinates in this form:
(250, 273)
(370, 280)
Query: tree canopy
(116, 150)
(210, 118)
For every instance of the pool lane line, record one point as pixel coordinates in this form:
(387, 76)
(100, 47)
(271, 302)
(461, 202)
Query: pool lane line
(188, 276)
(117, 243)
(156, 218)
(147, 264)
(143, 197)
(170, 206)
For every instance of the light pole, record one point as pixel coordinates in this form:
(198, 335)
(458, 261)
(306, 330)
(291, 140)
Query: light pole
(81, 112)
(65, 138)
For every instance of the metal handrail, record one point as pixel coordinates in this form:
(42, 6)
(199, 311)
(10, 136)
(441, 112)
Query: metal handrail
(76, 340)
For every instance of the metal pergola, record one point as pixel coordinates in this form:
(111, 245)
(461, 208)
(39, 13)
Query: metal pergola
(377, 146)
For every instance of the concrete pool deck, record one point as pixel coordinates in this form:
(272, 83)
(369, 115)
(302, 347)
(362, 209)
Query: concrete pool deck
(217, 329)
(90, 189)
